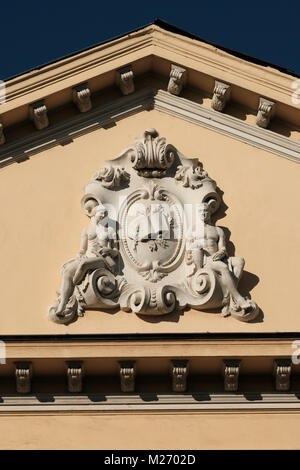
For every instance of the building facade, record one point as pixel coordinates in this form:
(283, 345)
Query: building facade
(169, 337)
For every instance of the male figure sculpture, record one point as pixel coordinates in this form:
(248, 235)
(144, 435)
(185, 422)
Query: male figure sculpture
(97, 250)
(206, 248)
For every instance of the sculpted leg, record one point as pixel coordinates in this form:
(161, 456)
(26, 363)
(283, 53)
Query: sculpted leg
(67, 286)
(85, 266)
(237, 266)
(228, 281)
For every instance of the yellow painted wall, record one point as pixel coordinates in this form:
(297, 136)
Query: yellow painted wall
(161, 430)
(41, 223)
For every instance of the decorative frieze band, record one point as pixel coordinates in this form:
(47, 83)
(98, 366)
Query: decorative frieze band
(179, 372)
(146, 99)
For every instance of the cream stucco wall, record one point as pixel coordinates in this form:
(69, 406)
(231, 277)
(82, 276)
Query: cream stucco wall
(41, 223)
(150, 430)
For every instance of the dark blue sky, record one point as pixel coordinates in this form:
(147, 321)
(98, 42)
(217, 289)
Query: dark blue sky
(36, 32)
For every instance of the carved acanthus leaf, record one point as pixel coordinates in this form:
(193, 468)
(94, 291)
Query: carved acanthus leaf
(221, 95)
(177, 79)
(266, 110)
(150, 156)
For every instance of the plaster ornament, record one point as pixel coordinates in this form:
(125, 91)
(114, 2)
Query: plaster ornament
(221, 96)
(74, 375)
(151, 247)
(266, 110)
(231, 369)
(124, 80)
(39, 115)
(282, 373)
(82, 97)
(23, 373)
(191, 176)
(179, 375)
(2, 136)
(177, 79)
(127, 376)
(112, 177)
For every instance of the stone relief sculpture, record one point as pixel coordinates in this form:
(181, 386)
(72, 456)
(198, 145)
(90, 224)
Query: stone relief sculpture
(151, 247)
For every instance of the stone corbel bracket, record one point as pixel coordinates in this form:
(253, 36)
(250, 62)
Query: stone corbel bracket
(282, 373)
(75, 375)
(221, 96)
(180, 370)
(39, 115)
(2, 136)
(23, 374)
(266, 110)
(127, 375)
(124, 80)
(231, 369)
(81, 95)
(177, 81)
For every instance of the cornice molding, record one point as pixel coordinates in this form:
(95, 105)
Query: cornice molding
(152, 40)
(159, 348)
(146, 99)
(197, 401)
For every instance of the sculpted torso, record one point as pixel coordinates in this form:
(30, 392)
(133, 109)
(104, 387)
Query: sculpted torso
(210, 239)
(96, 250)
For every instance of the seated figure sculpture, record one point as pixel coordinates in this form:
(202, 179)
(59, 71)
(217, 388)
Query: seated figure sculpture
(206, 248)
(97, 250)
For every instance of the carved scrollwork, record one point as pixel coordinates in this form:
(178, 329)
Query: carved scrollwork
(191, 176)
(221, 96)
(265, 112)
(157, 251)
(112, 177)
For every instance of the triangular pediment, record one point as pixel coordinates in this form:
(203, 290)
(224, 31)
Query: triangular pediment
(154, 67)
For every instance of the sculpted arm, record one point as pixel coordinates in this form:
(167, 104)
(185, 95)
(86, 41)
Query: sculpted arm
(83, 244)
(221, 253)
